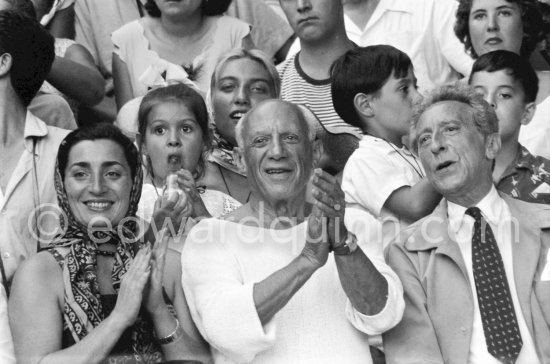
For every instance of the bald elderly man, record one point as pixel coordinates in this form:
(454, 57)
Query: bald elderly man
(476, 272)
(261, 284)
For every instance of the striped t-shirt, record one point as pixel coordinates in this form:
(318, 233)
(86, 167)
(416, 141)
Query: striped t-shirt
(299, 88)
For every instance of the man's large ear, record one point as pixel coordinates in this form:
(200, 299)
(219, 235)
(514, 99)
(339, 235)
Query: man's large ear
(238, 157)
(6, 61)
(317, 152)
(492, 145)
(363, 105)
(528, 113)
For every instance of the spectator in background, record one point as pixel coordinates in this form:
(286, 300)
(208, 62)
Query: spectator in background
(423, 29)
(177, 41)
(516, 26)
(305, 77)
(97, 19)
(27, 145)
(173, 138)
(242, 78)
(509, 84)
(73, 73)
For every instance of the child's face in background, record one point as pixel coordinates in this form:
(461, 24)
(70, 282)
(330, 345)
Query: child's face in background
(507, 97)
(173, 139)
(393, 105)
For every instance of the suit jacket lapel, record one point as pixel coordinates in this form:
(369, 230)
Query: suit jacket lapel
(525, 252)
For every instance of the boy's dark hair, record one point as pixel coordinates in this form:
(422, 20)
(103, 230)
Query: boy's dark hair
(32, 50)
(516, 66)
(531, 18)
(208, 7)
(364, 70)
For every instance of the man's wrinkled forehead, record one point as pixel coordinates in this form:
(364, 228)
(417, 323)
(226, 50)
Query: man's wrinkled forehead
(276, 112)
(444, 112)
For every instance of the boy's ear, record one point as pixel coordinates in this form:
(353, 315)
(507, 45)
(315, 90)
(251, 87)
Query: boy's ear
(528, 113)
(363, 105)
(238, 157)
(5, 64)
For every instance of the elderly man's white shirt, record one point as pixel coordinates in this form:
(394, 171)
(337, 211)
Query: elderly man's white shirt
(222, 261)
(423, 29)
(497, 213)
(18, 202)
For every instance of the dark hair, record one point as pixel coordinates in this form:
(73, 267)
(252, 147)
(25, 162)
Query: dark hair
(364, 70)
(95, 132)
(516, 66)
(32, 50)
(180, 93)
(530, 16)
(208, 7)
(23, 6)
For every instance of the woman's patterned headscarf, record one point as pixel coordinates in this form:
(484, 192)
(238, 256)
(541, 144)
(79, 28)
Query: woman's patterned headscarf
(83, 308)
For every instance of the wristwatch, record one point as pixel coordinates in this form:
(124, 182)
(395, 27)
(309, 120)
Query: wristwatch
(348, 246)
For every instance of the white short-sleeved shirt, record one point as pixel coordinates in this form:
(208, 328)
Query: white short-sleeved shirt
(373, 172)
(26, 197)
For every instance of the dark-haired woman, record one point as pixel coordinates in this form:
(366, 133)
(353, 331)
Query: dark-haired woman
(94, 295)
(177, 40)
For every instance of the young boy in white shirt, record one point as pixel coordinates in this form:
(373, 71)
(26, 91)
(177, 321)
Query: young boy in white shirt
(374, 88)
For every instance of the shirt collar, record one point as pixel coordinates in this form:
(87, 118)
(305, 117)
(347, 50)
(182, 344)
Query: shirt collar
(34, 128)
(491, 207)
(525, 159)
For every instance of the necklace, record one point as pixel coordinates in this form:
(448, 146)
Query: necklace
(417, 169)
(227, 187)
(105, 253)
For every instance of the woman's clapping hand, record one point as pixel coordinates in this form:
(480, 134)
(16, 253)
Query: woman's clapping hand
(131, 288)
(153, 299)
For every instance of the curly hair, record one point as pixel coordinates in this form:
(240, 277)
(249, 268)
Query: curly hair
(484, 117)
(208, 7)
(530, 16)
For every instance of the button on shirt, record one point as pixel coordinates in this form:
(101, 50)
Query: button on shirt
(497, 213)
(18, 201)
(423, 29)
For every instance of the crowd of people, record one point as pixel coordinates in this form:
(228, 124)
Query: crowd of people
(292, 181)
